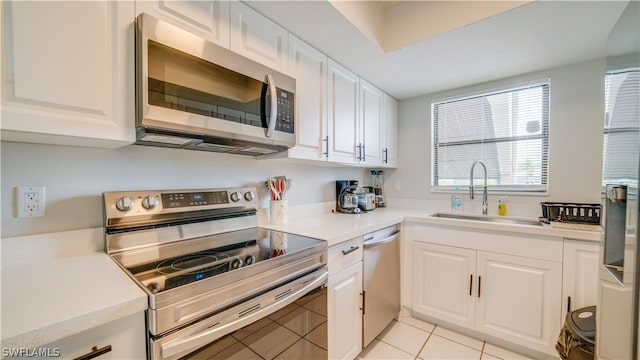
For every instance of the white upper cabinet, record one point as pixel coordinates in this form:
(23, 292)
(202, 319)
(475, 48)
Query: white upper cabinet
(341, 118)
(344, 117)
(390, 132)
(69, 77)
(68, 72)
(356, 119)
(259, 38)
(309, 67)
(371, 125)
(209, 19)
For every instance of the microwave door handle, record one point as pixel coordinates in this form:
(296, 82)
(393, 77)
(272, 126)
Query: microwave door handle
(271, 126)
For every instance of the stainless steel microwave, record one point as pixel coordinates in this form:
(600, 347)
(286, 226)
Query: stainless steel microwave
(194, 94)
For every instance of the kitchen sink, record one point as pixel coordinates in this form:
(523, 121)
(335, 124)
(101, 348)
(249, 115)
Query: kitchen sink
(489, 219)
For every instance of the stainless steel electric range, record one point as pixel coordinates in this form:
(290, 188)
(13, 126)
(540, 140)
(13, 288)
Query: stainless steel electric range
(209, 270)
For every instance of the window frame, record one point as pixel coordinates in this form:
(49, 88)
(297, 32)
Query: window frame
(533, 190)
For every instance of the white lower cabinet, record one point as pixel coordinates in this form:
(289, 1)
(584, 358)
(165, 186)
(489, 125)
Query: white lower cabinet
(125, 338)
(442, 283)
(507, 296)
(345, 300)
(518, 299)
(580, 276)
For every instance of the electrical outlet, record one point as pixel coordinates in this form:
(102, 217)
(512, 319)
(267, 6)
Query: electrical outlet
(397, 186)
(31, 201)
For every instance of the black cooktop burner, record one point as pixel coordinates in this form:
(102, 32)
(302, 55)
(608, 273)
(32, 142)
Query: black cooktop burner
(193, 263)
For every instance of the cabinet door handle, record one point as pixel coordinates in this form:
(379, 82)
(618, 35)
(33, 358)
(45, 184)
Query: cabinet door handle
(470, 283)
(326, 140)
(351, 249)
(386, 155)
(363, 302)
(479, 284)
(364, 154)
(95, 352)
(568, 303)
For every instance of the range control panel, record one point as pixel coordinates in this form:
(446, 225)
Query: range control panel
(181, 199)
(286, 101)
(120, 204)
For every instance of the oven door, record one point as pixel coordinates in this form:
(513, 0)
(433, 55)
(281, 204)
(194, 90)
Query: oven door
(290, 320)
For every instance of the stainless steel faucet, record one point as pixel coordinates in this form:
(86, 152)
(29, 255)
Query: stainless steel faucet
(485, 202)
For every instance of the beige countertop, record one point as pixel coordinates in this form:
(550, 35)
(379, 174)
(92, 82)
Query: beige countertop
(60, 296)
(322, 223)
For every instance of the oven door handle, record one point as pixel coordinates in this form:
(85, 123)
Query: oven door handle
(239, 318)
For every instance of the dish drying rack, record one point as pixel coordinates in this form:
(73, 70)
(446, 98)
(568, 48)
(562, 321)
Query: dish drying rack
(576, 216)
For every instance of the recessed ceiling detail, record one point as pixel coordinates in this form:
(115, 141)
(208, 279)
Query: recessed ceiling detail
(392, 25)
(412, 48)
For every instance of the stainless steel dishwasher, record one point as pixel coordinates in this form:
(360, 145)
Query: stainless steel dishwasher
(381, 286)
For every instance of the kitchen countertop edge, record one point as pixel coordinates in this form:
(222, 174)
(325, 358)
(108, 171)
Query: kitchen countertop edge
(45, 335)
(114, 297)
(336, 228)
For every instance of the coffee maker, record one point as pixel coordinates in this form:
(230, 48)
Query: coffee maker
(346, 197)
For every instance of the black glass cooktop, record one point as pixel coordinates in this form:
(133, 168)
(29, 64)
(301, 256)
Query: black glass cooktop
(219, 257)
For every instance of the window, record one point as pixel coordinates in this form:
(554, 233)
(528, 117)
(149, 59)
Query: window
(622, 127)
(508, 130)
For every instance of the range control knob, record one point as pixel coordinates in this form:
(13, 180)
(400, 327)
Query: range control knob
(154, 287)
(124, 203)
(249, 259)
(236, 264)
(249, 195)
(150, 202)
(236, 196)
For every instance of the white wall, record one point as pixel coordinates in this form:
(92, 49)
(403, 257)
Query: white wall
(575, 144)
(75, 178)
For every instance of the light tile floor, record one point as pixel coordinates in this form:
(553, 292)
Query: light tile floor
(409, 338)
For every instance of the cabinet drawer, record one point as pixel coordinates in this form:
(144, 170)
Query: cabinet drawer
(124, 338)
(345, 254)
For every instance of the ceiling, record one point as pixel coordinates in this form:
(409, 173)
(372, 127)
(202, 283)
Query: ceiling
(412, 48)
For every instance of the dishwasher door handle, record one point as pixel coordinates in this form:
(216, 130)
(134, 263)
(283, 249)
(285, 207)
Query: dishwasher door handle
(374, 243)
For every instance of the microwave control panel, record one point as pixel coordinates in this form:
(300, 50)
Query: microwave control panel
(284, 122)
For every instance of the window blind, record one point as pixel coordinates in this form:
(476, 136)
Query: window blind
(622, 127)
(508, 130)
